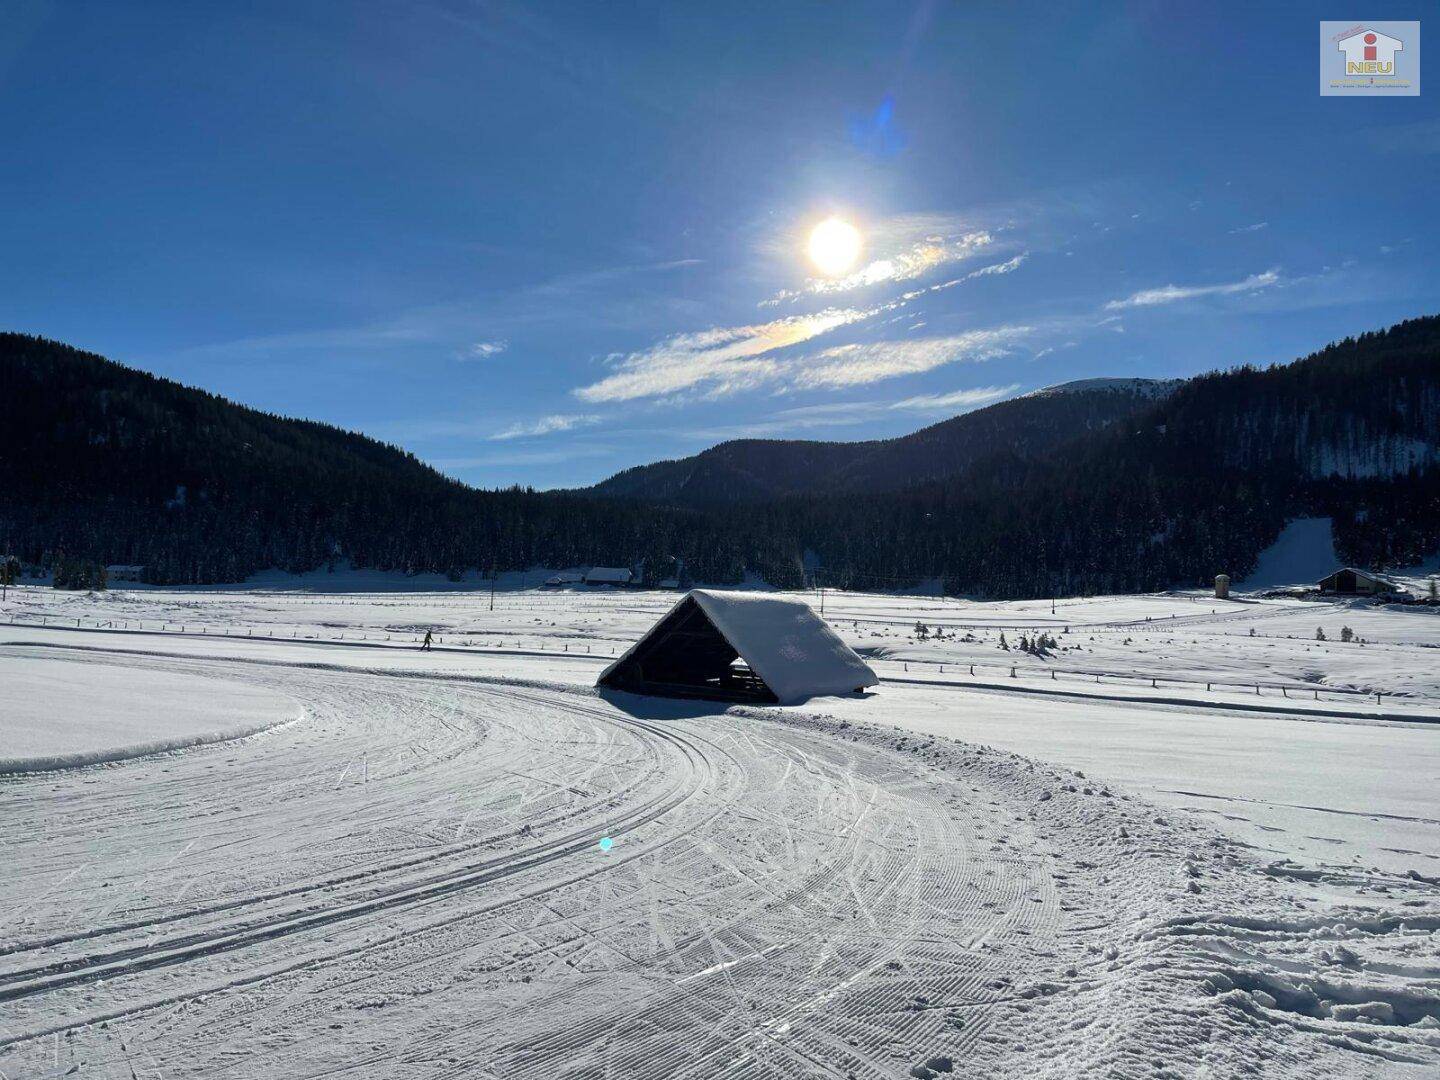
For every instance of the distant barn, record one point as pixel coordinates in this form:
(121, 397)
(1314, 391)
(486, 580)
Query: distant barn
(124, 572)
(608, 575)
(1350, 582)
(727, 646)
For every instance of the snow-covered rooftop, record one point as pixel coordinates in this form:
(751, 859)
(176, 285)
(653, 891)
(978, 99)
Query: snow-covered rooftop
(617, 575)
(783, 641)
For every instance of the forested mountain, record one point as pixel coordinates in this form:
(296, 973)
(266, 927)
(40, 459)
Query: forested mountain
(1198, 483)
(746, 470)
(107, 463)
(1074, 490)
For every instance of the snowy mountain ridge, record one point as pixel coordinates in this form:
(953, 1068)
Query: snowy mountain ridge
(1155, 389)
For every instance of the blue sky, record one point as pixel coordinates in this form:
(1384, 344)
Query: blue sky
(538, 243)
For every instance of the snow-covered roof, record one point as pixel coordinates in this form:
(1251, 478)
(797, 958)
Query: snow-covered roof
(783, 641)
(617, 574)
(1368, 575)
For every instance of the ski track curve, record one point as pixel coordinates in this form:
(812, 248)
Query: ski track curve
(408, 882)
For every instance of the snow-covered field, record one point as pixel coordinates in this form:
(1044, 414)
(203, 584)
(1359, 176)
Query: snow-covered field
(1189, 840)
(53, 720)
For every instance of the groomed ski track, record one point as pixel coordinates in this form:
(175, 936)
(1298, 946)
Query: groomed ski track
(409, 882)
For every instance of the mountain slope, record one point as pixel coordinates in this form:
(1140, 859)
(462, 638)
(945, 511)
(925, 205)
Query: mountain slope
(107, 463)
(1196, 484)
(1073, 490)
(755, 469)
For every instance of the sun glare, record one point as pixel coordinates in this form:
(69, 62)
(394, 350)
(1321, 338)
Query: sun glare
(834, 246)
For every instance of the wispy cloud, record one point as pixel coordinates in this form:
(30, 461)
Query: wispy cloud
(1169, 294)
(1006, 267)
(725, 360)
(483, 350)
(721, 360)
(1049, 349)
(956, 400)
(867, 362)
(546, 425)
(1251, 228)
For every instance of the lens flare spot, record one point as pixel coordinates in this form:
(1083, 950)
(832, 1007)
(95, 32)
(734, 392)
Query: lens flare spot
(606, 843)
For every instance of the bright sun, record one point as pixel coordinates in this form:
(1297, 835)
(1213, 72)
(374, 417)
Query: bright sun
(834, 246)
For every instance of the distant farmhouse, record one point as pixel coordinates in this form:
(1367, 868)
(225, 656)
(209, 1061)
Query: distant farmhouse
(608, 575)
(1351, 582)
(124, 572)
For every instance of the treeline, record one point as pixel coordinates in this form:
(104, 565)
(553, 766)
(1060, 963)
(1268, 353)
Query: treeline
(113, 465)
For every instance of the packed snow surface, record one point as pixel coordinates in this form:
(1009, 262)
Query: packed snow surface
(1186, 839)
(54, 720)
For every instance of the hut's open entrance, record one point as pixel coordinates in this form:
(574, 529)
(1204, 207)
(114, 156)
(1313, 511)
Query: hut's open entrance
(687, 656)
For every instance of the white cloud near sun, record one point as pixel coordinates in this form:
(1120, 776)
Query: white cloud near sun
(726, 360)
(905, 261)
(1169, 294)
(718, 361)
